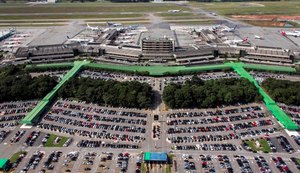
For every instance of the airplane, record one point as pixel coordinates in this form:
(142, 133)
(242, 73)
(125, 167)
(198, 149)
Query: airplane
(228, 29)
(133, 27)
(236, 41)
(258, 37)
(216, 27)
(93, 28)
(294, 34)
(174, 11)
(114, 24)
(130, 34)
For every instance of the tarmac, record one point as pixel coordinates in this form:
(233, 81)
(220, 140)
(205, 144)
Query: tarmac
(56, 35)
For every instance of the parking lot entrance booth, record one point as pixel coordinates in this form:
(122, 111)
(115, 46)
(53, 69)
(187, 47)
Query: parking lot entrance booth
(3, 164)
(153, 157)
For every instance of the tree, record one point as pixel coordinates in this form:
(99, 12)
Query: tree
(283, 91)
(211, 93)
(113, 93)
(17, 84)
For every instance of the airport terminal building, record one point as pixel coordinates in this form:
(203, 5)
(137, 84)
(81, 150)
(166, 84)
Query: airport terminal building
(158, 44)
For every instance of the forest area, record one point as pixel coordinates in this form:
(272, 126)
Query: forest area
(109, 93)
(17, 84)
(283, 91)
(196, 93)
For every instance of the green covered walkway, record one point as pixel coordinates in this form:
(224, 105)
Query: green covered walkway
(42, 105)
(284, 119)
(165, 70)
(159, 70)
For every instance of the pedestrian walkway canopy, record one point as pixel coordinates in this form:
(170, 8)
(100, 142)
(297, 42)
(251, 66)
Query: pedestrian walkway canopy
(284, 119)
(155, 156)
(3, 163)
(42, 105)
(159, 70)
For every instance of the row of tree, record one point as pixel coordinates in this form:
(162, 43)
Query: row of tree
(17, 84)
(283, 91)
(212, 93)
(111, 93)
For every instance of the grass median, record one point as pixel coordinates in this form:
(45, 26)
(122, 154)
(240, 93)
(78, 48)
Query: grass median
(264, 146)
(167, 168)
(51, 141)
(90, 7)
(143, 167)
(68, 16)
(15, 156)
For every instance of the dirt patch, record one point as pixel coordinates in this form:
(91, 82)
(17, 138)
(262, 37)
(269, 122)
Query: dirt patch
(264, 23)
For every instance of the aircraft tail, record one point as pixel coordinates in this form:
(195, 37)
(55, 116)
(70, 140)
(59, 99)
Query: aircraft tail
(245, 40)
(283, 33)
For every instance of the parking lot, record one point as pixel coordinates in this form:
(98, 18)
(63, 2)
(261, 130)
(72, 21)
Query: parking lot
(81, 155)
(108, 126)
(12, 112)
(112, 162)
(292, 111)
(218, 128)
(261, 76)
(86, 137)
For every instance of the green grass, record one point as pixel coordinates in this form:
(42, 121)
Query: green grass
(33, 21)
(171, 156)
(89, 7)
(114, 19)
(15, 156)
(298, 160)
(68, 16)
(264, 145)
(295, 24)
(50, 142)
(167, 168)
(234, 8)
(30, 25)
(143, 168)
